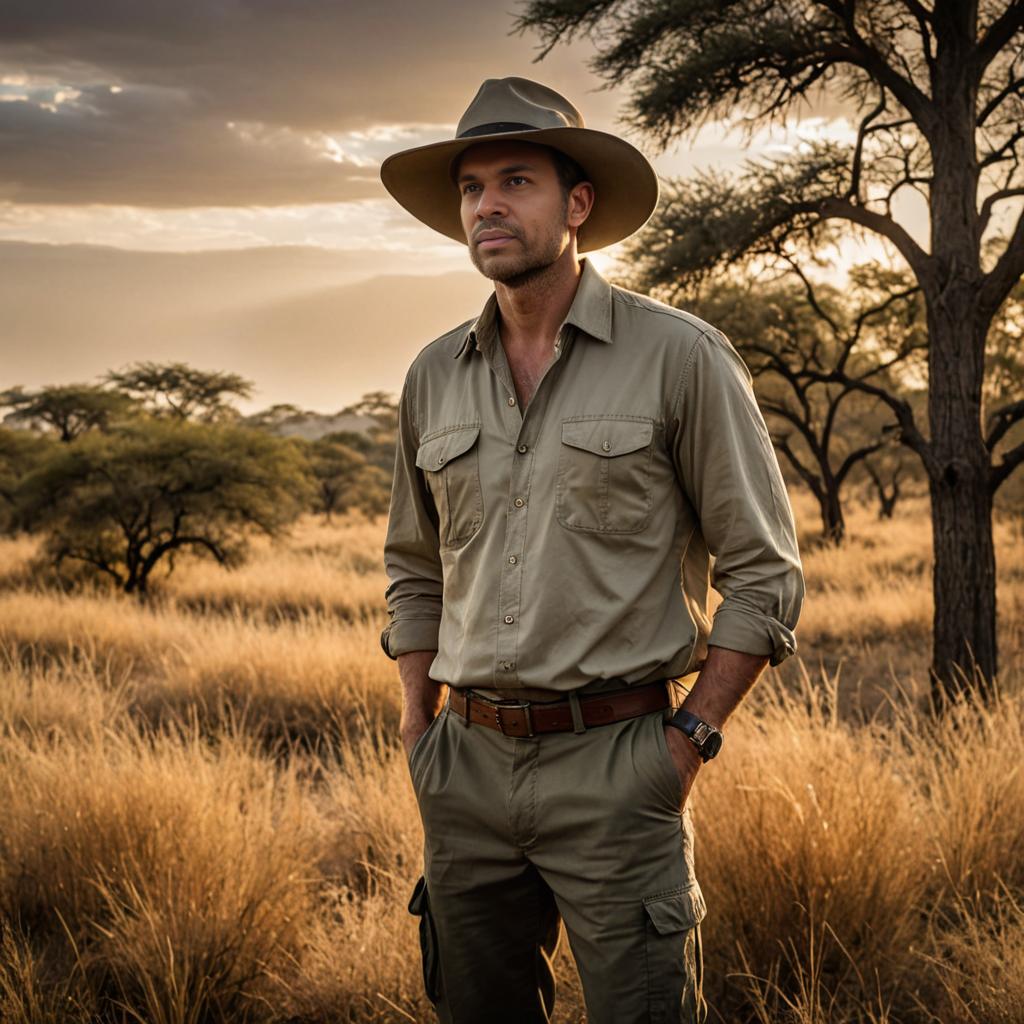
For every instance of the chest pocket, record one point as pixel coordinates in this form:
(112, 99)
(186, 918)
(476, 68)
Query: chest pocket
(450, 461)
(604, 474)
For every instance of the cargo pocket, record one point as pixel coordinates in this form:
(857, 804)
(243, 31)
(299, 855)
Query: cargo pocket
(419, 905)
(603, 479)
(450, 462)
(674, 961)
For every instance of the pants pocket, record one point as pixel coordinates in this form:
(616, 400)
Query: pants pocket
(669, 771)
(419, 905)
(421, 741)
(674, 959)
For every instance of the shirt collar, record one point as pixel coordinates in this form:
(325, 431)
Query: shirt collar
(591, 312)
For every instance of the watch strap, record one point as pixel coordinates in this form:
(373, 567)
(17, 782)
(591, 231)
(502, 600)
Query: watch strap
(695, 728)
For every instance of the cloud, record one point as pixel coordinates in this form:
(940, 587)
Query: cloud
(244, 103)
(239, 102)
(157, 146)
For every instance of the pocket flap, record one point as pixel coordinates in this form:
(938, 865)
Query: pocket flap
(436, 453)
(677, 910)
(608, 437)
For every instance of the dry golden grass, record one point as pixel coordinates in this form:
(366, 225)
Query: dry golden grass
(206, 816)
(868, 610)
(300, 680)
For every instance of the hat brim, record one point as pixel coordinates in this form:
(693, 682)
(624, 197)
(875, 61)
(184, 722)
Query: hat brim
(625, 184)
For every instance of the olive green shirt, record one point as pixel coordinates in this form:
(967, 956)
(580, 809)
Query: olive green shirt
(537, 550)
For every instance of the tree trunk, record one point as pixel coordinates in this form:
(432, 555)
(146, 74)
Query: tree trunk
(833, 525)
(963, 577)
(963, 581)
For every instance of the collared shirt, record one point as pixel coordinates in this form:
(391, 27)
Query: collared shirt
(538, 550)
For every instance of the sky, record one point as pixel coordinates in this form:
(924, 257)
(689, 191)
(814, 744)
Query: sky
(199, 180)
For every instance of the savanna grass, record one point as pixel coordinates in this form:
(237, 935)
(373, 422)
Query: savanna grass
(206, 814)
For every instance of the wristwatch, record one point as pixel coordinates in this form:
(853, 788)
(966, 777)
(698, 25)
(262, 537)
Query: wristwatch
(706, 738)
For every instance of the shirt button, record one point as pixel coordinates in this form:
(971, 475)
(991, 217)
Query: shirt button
(511, 559)
(511, 400)
(440, 460)
(606, 447)
(519, 503)
(509, 619)
(523, 449)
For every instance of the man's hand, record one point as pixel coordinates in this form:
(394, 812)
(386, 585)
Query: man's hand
(422, 697)
(686, 759)
(723, 681)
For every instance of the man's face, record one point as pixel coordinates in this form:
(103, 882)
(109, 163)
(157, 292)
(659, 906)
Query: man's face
(512, 189)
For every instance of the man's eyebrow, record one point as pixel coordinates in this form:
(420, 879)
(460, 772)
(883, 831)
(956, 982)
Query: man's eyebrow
(504, 170)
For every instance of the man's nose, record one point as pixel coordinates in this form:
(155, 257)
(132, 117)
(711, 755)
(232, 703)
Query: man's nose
(490, 201)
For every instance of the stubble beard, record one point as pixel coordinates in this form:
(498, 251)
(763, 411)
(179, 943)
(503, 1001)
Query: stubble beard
(526, 267)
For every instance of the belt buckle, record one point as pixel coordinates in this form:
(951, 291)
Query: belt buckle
(524, 706)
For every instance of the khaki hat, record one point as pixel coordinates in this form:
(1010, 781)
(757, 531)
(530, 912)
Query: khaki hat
(625, 183)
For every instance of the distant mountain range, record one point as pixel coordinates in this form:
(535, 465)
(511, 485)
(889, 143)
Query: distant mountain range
(313, 327)
(314, 426)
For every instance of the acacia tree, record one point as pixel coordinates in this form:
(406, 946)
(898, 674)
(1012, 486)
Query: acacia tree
(344, 478)
(20, 452)
(182, 391)
(122, 503)
(937, 90)
(886, 482)
(69, 409)
(276, 416)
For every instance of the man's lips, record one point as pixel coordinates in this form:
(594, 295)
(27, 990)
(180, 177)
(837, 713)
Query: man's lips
(489, 243)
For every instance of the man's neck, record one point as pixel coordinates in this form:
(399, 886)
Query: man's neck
(531, 313)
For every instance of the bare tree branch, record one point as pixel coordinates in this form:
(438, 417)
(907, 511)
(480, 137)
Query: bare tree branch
(1001, 420)
(1004, 152)
(999, 33)
(1014, 86)
(854, 457)
(843, 209)
(1002, 470)
(1009, 269)
(991, 200)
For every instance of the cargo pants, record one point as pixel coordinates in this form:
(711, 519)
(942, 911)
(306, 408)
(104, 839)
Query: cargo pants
(582, 827)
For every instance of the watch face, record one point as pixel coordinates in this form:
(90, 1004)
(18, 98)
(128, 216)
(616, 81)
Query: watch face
(713, 744)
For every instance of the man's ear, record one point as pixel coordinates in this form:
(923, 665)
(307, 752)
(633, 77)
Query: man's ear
(581, 203)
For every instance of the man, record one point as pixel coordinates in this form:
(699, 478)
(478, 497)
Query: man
(567, 462)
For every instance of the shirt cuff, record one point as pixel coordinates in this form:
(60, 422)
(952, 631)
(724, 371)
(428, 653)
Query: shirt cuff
(752, 633)
(405, 635)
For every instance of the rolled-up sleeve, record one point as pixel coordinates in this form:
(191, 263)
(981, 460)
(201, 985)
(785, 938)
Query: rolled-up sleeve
(729, 471)
(411, 549)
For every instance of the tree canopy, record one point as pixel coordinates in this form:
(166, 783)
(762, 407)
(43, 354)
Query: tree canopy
(179, 390)
(69, 409)
(123, 502)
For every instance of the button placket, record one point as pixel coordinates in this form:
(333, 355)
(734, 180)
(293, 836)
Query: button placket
(511, 580)
(516, 517)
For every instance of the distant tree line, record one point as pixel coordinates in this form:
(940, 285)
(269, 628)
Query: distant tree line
(122, 474)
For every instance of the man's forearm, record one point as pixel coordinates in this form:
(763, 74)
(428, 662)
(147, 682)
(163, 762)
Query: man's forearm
(722, 683)
(422, 696)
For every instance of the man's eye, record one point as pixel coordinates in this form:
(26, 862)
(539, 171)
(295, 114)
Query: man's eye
(517, 177)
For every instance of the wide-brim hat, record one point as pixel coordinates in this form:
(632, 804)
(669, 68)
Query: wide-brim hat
(625, 183)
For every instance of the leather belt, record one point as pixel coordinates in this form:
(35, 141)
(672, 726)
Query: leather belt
(528, 718)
